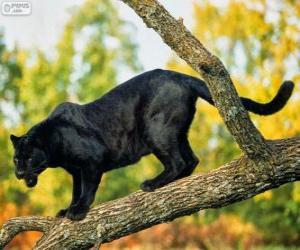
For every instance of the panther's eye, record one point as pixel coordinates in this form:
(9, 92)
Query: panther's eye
(16, 161)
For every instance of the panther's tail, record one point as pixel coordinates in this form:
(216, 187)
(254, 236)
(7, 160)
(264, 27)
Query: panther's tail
(278, 102)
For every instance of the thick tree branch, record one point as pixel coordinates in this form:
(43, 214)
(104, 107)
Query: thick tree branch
(17, 225)
(235, 181)
(175, 34)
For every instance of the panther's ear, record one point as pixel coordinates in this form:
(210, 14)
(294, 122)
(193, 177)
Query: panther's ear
(15, 140)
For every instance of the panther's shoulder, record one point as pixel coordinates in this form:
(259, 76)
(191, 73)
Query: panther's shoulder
(65, 109)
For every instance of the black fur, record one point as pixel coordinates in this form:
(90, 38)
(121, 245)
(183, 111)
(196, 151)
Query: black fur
(150, 113)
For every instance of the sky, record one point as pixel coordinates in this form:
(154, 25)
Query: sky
(42, 28)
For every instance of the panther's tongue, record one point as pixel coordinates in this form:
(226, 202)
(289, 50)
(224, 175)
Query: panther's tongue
(31, 181)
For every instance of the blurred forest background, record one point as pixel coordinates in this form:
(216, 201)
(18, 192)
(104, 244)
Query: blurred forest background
(259, 42)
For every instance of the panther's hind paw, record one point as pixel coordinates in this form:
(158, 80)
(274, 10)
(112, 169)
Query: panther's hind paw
(61, 213)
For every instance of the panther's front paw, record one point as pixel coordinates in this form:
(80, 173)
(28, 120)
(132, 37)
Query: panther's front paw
(147, 186)
(62, 213)
(76, 213)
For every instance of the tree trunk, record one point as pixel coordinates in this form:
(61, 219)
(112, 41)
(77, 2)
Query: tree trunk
(266, 164)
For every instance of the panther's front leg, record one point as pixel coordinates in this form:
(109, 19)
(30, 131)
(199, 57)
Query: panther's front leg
(76, 176)
(90, 179)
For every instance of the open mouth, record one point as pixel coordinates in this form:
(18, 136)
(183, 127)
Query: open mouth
(31, 181)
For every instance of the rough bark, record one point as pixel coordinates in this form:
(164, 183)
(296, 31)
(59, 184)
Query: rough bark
(235, 181)
(20, 224)
(238, 180)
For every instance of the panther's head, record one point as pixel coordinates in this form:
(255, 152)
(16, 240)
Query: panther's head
(30, 160)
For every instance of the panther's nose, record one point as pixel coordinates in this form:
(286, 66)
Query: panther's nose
(20, 174)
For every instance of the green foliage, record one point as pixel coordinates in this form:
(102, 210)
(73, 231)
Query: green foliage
(105, 45)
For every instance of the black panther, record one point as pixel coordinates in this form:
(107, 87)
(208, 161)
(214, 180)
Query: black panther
(151, 113)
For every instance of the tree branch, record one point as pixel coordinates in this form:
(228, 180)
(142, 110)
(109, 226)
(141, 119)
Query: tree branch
(235, 181)
(20, 224)
(226, 99)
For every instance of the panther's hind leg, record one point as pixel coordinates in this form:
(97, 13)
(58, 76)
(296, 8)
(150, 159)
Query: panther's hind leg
(174, 165)
(165, 146)
(189, 157)
(164, 124)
